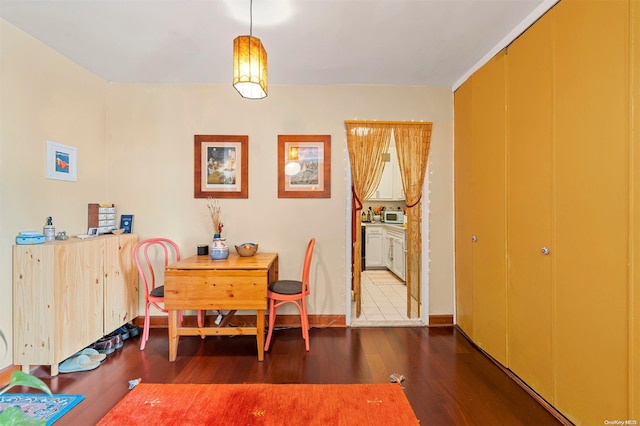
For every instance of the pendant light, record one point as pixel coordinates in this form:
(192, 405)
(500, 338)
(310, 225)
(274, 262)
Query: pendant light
(250, 64)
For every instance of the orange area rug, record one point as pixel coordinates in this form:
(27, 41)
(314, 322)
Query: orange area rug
(263, 404)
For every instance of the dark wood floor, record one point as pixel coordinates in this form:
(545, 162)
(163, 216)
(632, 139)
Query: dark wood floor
(448, 381)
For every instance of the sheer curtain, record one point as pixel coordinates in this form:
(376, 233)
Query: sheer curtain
(367, 143)
(412, 145)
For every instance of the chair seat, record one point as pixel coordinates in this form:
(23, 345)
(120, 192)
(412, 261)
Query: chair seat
(158, 291)
(286, 287)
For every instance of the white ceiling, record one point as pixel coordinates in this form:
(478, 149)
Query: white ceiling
(309, 42)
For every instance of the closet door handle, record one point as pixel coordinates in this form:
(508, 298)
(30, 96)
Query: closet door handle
(545, 251)
(474, 239)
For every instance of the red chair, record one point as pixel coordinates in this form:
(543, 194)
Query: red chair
(152, 256)
(291, 291)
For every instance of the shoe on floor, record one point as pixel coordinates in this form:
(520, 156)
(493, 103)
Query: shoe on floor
(93, 354)
(122, 331)
(118, 342)
(105, 345)
(78, 363)
(134, 330)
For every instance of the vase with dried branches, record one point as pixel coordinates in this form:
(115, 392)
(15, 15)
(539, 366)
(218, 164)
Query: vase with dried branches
(215, 213)
(219, 249)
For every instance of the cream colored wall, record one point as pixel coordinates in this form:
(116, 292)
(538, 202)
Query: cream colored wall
(44, 96)
(147, 169)
(151, 129)
(439, 210)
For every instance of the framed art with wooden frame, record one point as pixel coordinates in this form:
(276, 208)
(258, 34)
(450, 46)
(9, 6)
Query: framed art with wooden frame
(304, 166)
(221, 166)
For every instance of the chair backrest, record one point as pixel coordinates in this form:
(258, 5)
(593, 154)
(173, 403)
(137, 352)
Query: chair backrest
(152, 254)
(307, 267)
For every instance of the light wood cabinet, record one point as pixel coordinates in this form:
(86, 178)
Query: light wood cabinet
(120, 282)
(68, 294)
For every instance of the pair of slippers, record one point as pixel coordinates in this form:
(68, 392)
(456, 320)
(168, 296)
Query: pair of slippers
(85, 360)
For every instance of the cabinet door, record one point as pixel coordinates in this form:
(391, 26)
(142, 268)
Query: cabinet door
(398, 257)
(34, 313)
(385, 187)
(463, 209)
(530, 172)
(121, 281)
(390, 187)
(77, 295)
(592, 209)
(374, 244)
(388, 251)
(488, 207)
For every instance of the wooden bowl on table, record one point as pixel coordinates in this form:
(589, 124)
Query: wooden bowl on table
(247, 249)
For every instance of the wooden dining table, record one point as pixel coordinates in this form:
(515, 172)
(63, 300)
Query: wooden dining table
(236, 283)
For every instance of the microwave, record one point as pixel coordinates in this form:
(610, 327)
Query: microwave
(393, 216)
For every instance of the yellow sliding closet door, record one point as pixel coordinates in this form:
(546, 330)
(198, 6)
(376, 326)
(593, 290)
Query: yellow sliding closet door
(591, 121)
(634, 291)
(530, 209)
(489, 208)
(463, 213)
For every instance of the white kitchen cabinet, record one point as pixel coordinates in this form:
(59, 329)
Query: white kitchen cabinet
(395, 252)
(374, 247)
(399, 258)
(388, 250)
(390, 187)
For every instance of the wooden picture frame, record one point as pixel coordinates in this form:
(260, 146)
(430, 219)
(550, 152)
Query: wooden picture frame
(62, 162)
(221, 166)
(304, 166)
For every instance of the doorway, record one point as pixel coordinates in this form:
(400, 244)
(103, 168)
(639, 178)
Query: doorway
(384, 296)
(367, 146)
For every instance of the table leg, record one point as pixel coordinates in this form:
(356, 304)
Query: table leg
(260, 333)
(173, 335)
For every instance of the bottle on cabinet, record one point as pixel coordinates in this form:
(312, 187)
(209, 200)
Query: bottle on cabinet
(49, 230)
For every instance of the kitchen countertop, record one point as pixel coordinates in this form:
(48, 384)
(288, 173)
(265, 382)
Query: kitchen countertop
(392, 225)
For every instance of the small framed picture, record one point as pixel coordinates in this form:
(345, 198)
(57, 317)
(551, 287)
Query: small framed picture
(62, 162)
(304, 166)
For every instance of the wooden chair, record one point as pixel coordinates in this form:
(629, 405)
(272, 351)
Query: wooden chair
(150, 255)
(291, 291)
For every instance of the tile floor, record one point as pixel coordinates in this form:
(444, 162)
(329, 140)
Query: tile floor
(382, 304)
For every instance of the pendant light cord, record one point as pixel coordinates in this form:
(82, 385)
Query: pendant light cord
(250, 18)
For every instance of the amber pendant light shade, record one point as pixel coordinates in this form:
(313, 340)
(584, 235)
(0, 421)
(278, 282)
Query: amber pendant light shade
(249, 67)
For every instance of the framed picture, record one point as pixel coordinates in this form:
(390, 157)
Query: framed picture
(62, 162)
(304, 166)
(221, 166)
